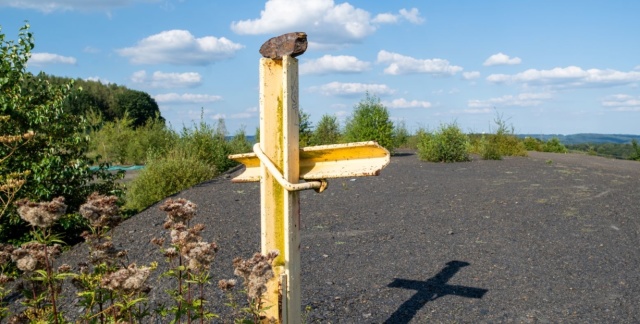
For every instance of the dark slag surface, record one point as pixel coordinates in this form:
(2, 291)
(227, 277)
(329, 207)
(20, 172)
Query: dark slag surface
(545, 238)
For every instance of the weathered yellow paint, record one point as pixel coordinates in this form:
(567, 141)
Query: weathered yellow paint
(280, 208)
(326, 162)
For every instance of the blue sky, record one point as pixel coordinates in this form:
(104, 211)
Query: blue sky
(553, 67)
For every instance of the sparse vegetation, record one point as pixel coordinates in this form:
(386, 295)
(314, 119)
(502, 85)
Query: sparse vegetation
(370, 122)
(447, 144)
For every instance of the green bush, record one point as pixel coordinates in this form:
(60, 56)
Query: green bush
(370, 122)
(554, 146)
(208, 144)
(55, 157)
(166, 175)
(400, 135)
(239, 143)
(448, 144)
(490, 147)
(532, 144)
(119, 142)
(503, 143)
(327, 131)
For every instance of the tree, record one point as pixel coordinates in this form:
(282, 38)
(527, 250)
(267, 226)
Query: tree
(137, 104)
(53, 158)
(327, 131)
(305, 129)
(370, 122)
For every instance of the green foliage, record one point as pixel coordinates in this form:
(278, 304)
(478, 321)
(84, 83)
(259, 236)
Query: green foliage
(554, 146)
(490, 148)
(370, 122)
(166, 175)
(635, 154)
(55, 157)
(305, 129)
(239, 143)
(627, 151)
(208, 144)
(503, 142)
(199, 154)
(448, 144)
(400, 135)
(119, 142)
(532, 144)
(327, 131)
(110, 100)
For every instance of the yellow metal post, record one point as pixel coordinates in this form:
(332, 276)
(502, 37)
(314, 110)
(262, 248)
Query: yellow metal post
(280, 214)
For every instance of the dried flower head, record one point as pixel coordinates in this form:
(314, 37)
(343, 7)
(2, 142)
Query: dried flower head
(128, 280)
(33, 256)
(179, 210)
(5, 253)
(200, 255)
(104, 252)
(101, 210)
(157, 241)
(255, 272)
(226, 284)
(42, 214)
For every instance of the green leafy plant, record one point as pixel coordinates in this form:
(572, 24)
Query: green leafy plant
(165, 175)
(448, 144)
(327, 131)
(554, 146)
(190, 258)
(370, 122)
(53, 162)
(532, 144)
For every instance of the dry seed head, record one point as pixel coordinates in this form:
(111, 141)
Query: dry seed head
(179, 210)
(42, 214)
(226, 284)
(5, 253)
(128, 280)
(101, 210)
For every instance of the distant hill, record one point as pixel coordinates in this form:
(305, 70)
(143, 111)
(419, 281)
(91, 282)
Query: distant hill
(586, 138)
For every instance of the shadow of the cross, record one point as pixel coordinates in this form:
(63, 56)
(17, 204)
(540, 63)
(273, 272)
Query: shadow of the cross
(429, 290)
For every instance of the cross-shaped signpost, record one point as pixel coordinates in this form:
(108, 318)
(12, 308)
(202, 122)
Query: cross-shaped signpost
(278, 163)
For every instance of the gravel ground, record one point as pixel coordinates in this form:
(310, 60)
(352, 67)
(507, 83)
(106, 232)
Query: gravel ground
(550, 238)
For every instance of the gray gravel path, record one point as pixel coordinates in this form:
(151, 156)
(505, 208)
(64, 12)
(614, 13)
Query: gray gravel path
(548, 238)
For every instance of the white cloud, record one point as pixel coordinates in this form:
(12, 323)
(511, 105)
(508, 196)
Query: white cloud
(400, 64)
(334, 64)
(571, 76)
(470, 75)
(68, 5)
(248, 113)
(180, 47)
(404, 103)
(40, 59)
(167, 80)
(91, 50)
(328, 24)
(186, 98)
(352, 89)
(323, 20)
(479, 110)
(386, 18)
(501, 59)
(413, 15)
(98, 79)
(622, 102)
(520, 100)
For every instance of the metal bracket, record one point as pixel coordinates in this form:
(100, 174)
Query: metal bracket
(318, 186)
